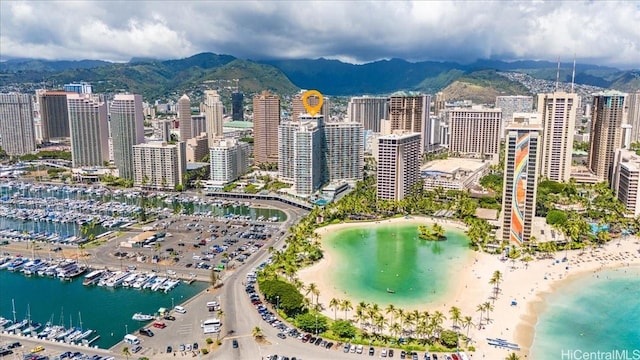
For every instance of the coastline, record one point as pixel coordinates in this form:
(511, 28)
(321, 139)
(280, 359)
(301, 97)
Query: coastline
(526, 284)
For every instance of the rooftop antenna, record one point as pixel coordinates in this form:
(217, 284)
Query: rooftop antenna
(573, 75)
(558, 74)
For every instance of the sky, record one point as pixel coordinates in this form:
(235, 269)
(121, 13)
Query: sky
(597, 32)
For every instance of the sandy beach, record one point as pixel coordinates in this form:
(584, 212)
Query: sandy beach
(526, 284)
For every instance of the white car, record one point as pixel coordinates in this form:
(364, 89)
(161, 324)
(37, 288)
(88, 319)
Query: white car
(180, 310)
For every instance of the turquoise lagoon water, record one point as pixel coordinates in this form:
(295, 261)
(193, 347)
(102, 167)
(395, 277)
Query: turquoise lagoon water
(597, 312)
(108, 311)
(370, 260)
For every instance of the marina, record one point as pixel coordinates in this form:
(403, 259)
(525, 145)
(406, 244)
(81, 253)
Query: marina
(69, 269)
(76, 313)
(67, 214)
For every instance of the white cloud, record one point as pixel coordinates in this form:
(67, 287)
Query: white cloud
(601, 31)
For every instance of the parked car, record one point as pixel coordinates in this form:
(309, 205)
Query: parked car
(282, 336)
(235, 343)
(372, 351)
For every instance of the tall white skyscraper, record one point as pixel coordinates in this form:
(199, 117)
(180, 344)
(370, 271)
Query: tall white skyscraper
(184, 117)
(513, 104)
(213, 110)
(16, 124)
(301, 146)
(633, 115)
(89, 129)
(158, 165)
(368, 111)
(127, 129)
(398, 164)
(229, 160)
(558, 114)
(345, 150)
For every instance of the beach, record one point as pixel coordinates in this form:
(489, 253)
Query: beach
(523, 287)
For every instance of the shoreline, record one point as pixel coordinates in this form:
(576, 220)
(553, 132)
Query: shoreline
(527, 285)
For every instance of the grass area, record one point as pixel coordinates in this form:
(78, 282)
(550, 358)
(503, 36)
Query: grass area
(94, 244)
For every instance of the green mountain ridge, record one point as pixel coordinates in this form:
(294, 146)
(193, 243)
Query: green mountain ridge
(163, 79)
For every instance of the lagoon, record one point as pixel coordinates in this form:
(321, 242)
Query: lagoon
(368, 260)
(108, 311)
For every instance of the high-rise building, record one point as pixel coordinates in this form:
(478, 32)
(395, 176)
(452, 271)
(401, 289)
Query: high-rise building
(158, 165)
(439, 103)
(197, 148)
(127, 129)
(266, 118)
(184, 117)
(165, 127)
(16, 124)
(298, 108)
(229, 159)
(474, 131)
(78, 88)
(558, 114)
(398, 164)
(513, 104)
(368, 111)
(54, 115)
(633, 115)
(213, 110)
(411, 113)
(198, 125)
(626, 180)
(345, 150)
(302, 154)
(89, 130)
(286, 152)
(520, 181)
(606, 132)
(237, 106)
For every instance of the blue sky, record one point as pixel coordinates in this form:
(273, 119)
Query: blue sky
(601, 32)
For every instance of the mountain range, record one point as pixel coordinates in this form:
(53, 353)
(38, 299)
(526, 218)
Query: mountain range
(157, 79)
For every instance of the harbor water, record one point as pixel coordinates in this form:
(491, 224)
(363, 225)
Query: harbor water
(107, 311)
(389, 264)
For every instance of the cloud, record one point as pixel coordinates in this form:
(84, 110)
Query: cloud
(605, 32)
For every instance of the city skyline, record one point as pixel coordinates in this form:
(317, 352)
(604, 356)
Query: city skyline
(515, 31)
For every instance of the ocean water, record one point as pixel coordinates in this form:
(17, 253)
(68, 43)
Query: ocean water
(370, 260)
(108, 311)
(596, 312)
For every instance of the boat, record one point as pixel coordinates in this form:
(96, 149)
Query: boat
(92, 277)
(391, 291)
(5, 322)
(141, 317)
(17, 326)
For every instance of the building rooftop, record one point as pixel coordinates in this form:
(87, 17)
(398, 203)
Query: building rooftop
(452, 165)
(238, 124)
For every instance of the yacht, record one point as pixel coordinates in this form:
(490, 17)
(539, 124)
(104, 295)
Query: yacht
(141, 317)
(93, 277)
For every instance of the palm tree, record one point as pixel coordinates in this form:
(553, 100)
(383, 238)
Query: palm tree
(400, 316)
(346, 306)
(513, 356)
(257, 332)
(495, 280)
(456, 315)
(488, 307)
(480, 309)
(395, 329)
(390, 309)
(126, 352)
(334, 304)
(467, 322)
